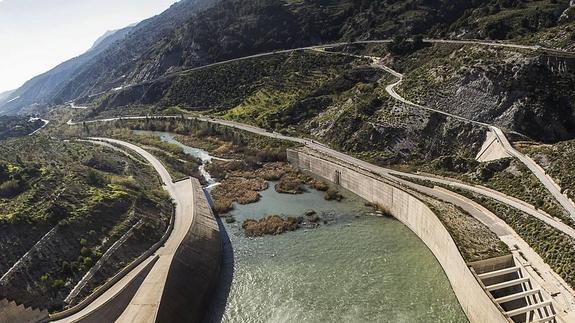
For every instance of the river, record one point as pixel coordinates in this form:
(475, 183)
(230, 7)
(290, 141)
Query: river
(357, 268)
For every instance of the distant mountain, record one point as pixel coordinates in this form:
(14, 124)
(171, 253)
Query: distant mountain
(5, 95)
(43, 88)
(123, 45)
(110, 37)
(197, 32)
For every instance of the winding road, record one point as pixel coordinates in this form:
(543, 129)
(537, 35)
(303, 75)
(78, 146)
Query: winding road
(332, 45)
(539, 172)
(546, 180)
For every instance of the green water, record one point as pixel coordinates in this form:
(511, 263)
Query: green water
(358, 268)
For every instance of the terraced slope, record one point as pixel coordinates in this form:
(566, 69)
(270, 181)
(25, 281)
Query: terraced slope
(63, 205)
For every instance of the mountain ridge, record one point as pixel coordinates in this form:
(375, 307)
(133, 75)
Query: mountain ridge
(193, 33)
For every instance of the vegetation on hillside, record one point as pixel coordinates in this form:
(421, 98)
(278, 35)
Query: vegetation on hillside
(18, 126)
(474, 240)
(558, 162)
(507, 176)
(82, 198)
(555, 247)
(198, 32)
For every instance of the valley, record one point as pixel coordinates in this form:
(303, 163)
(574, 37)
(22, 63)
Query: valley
(286, 160)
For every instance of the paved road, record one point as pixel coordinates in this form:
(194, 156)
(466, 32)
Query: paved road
(546, 180)
(144, 304)
(386, 172)
(381, 41)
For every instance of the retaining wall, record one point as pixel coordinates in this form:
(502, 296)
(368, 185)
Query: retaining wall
(416, 216)
(194, 271)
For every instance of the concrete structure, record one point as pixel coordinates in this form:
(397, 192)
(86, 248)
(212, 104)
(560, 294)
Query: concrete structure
(476, 304)
(550, 285)
(194, 271)
(492, 149)
(514, 290)
(10, 311)
(173, 283)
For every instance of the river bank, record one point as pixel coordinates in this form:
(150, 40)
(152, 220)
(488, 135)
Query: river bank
(357, 267)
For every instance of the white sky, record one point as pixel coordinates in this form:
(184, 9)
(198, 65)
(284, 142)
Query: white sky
(36, 35)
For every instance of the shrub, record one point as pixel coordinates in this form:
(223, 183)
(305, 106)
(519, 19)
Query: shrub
(58, 283)
(11, 188)
(333, 194)
(94, 178)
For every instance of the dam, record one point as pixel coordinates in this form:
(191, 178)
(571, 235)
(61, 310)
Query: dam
(478, 306)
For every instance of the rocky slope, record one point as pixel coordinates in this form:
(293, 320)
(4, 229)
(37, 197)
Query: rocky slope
(196, 32)
(528, 92)
(106, 63)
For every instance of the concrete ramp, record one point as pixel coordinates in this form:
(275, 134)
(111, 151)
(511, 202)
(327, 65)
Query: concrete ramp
(492, 149)
(194, 271)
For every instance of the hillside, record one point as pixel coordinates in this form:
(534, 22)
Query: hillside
(108, 52)
(198, 32)
(11, 126)
(4, 96)
(39, 90)
(80, 199)
(523, 91)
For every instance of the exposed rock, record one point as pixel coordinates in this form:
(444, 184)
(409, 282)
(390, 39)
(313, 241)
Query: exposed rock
(310, 212)
(333, 194)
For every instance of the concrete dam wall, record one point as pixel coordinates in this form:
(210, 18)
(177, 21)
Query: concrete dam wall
(476, 304)
(182, 287)
(195, 269)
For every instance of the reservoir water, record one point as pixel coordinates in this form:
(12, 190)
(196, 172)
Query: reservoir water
(357, 268)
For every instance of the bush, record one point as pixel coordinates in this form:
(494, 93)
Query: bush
(333, 194)
(66, 268)
(11, 188)
(85, 251)
(95, 179)
(403, 46)
(88, 262)
(58, 283)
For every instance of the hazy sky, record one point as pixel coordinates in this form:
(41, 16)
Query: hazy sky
(36, 35)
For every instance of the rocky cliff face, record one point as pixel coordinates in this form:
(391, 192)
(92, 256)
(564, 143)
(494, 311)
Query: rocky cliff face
(527, 92)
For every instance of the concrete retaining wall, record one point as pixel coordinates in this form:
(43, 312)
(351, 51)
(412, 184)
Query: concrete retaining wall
(194, 272)
(419, 218)
(116, 278)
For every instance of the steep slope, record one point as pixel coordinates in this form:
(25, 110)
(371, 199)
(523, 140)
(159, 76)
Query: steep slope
(108, 54)
(5, 95)
(196, 32)
(43, 88)
(528, 92)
